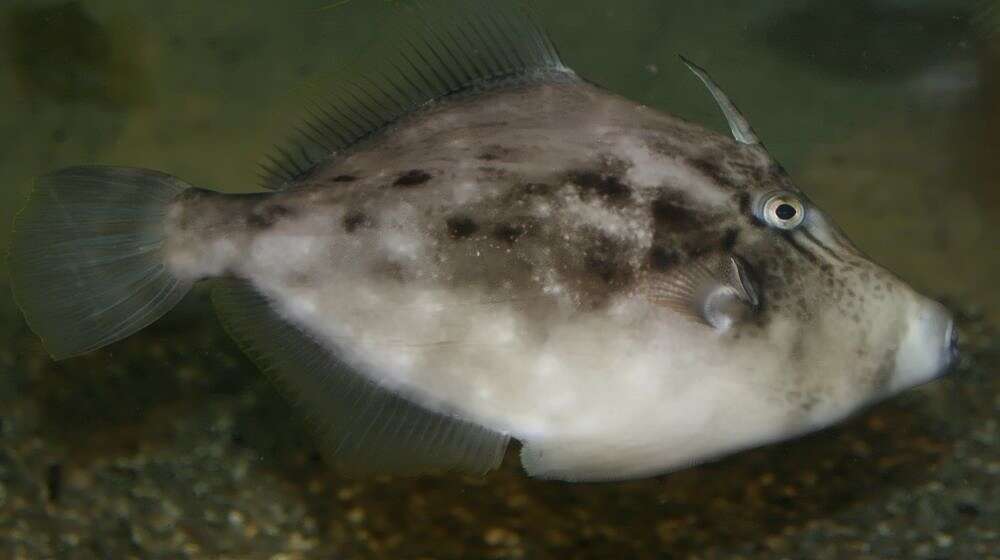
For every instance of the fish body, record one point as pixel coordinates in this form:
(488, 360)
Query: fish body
(535, 257)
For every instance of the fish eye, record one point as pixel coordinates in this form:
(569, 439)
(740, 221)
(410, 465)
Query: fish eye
(783, 211)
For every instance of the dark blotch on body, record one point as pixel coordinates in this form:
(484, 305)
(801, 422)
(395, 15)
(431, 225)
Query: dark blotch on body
(608, 187)
(729, 239)
(461, 227)
(744, 202)
(509, 233)
(605, 259)
(537, 189)
(494, 153)
(412, 178)
(712, 170)
(266, 217)
(662, 259)
(344, 179)
(670, 215)
(356, 220)
(697, 250)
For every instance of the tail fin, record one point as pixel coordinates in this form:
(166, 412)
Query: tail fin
(86, 260)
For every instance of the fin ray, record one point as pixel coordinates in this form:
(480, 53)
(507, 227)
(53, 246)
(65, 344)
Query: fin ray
(360, 424)
(87, 256)
(453, 50)
(715, 290)
(738, 124)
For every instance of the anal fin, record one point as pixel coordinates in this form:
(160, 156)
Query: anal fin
(363, 428)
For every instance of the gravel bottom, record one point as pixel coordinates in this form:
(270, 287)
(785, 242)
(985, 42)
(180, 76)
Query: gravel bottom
(170, 445)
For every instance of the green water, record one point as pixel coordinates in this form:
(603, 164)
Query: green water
(885, 111)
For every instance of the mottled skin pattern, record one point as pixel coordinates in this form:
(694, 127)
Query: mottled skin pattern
(490, 257)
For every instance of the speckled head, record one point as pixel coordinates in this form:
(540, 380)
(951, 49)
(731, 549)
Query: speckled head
(848, 330)
(771, 322)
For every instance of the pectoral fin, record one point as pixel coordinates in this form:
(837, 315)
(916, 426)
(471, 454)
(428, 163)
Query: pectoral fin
(716, 291)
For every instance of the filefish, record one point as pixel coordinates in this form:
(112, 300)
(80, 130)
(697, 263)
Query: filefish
(470, 244)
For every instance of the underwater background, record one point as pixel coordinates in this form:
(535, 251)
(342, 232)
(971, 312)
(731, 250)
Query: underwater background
(171, 445)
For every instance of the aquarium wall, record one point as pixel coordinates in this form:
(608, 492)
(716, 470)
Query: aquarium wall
(170, 444)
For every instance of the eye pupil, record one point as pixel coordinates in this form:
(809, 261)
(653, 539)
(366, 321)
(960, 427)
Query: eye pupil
(785, 211)
(782, 210)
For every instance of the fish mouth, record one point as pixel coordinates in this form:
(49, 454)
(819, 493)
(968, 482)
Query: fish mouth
(929, 347)
(951, 349)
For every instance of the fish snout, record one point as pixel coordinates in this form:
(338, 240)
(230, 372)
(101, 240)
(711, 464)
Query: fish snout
(929, 345)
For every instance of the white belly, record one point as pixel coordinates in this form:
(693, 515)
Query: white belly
(622, 389)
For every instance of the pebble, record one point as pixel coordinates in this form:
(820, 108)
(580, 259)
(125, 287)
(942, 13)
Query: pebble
(356, 515)
(498, 536)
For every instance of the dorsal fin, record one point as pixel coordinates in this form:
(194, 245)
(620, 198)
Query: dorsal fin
(455, 48)
(738, 124)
